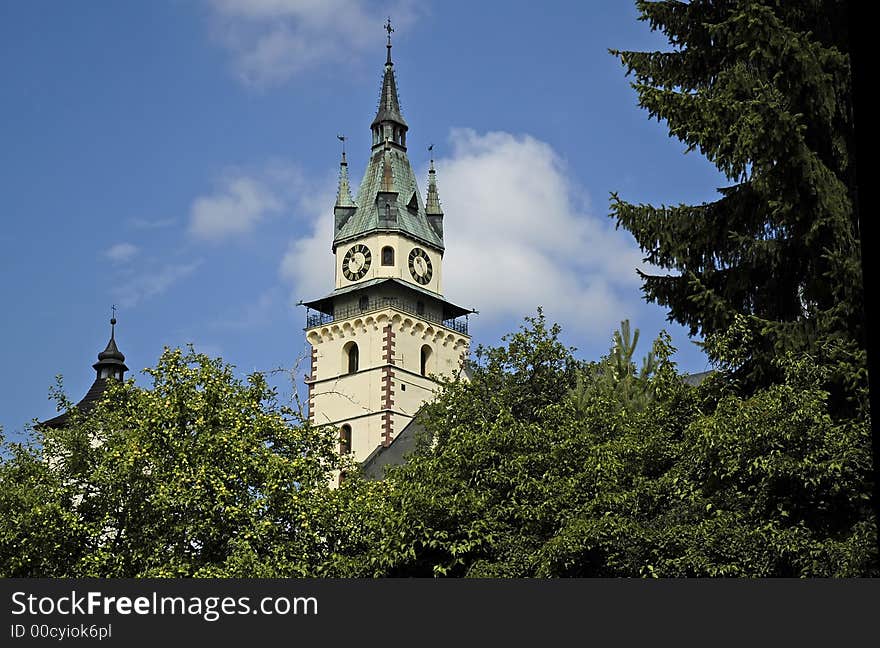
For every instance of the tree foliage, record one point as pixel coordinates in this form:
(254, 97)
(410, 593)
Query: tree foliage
(699, 481)
(763, 89)
(203, 474)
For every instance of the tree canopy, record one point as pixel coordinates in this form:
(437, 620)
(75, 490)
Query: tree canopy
(691, 481)
(763, 89)
(202, 474)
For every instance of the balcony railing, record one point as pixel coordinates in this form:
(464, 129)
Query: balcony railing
(418, 309)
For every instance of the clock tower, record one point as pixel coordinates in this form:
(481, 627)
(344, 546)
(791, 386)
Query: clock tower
(380, 339)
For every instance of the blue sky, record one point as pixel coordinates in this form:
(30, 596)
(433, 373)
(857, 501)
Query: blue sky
(179, 159)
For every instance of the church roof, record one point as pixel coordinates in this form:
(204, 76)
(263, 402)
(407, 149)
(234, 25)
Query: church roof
(411, 218)
(110, 357)
(86, 405)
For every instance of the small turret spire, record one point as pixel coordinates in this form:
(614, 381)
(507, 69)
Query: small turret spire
(111, 361)
(343, 192)
(432, 203)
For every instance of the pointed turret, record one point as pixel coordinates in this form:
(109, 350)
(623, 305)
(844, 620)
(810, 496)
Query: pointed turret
(433, 210)
(111, 362)
(345, 205)
(389, 123)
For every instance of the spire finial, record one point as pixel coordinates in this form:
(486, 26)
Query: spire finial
(341, 138)
(389, 29)
(431, 151)
(113, 322)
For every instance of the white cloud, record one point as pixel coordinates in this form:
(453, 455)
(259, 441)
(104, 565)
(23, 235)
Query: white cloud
(150, 283)
(272, 40)
(239, 204)
(121, 252)
(519, 234)
(308, 262)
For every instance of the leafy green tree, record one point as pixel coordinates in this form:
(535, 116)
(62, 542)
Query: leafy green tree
(203, 474)
(763, 89)
(699, 481)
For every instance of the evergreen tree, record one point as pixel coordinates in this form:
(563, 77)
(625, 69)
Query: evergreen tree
(762, 88)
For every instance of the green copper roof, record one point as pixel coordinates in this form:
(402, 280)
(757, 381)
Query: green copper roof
(410, 209)
(433, 206)
(343, 192)
(390, 174)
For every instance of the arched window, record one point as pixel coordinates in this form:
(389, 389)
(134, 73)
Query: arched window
(387, 256)
(345, 440)
(350, 357)
(426, 360)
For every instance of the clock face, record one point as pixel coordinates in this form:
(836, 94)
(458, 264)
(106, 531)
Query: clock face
(420, 266)
(356, 262)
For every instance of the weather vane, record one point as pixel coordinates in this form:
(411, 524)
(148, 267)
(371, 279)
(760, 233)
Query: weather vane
(341, 138)
(113, 311)
(389, 29)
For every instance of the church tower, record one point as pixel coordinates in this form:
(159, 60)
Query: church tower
(110, 366)
(386, 329)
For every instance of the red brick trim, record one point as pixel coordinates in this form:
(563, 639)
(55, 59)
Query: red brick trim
(388, 386)
(388, 346)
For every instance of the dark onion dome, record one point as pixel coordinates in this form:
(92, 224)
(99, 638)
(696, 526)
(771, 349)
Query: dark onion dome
(110, 366)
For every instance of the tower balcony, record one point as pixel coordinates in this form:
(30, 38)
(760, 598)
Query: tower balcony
(369, 305)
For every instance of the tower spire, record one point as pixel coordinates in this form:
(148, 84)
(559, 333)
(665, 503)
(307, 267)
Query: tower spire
(433, 210)
(389, 123)
(432, 203)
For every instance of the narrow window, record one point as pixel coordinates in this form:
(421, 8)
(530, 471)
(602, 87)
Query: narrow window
(345, 440)
(364, 303)
(420, 308)
(387, 256)
(426, 359)
(350, 357)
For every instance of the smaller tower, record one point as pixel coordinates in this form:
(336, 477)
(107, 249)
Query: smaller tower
(110, 366)
(432, 203)
(345, 205)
